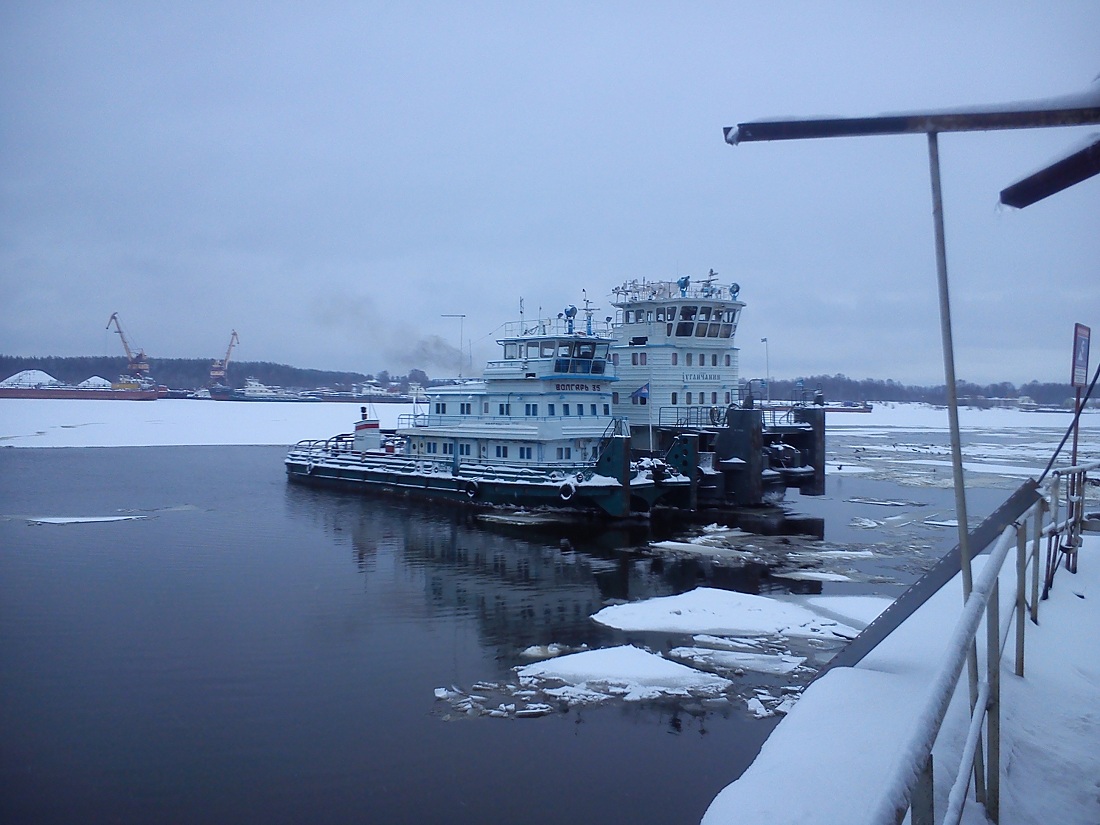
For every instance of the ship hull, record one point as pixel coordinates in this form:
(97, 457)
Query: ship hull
(74, 393)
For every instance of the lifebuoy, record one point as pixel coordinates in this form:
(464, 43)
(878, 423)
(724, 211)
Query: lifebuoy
(470, 488)
(567, 490)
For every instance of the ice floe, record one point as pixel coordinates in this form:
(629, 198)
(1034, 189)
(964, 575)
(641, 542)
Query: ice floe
(721, 613)
(626, 671)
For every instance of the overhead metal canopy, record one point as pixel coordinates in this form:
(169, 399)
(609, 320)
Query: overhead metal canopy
(1072, 110)
(1053, 179)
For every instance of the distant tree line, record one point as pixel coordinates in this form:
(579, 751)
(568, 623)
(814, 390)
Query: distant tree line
(192, 373)
(842, 388)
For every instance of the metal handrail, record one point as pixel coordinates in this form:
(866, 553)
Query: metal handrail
(985, 599)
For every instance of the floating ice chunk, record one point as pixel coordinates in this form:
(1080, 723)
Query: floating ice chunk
(757, 709)
(812, 576)
(777, 663)
(82, 519)
(868, 523)
(624, 671)
(717, 612)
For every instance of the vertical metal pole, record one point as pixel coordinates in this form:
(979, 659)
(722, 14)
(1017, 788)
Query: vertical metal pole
(993, 712)
(953, 420)
(1021, 591)
(1036, 554)
(921, 810)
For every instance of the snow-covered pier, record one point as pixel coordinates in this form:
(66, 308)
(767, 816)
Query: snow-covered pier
(844, 753)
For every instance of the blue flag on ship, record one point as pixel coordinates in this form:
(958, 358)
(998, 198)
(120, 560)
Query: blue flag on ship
(641, 392)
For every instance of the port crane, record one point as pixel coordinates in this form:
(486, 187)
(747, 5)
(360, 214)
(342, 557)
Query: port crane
(138, 363)
(217, 369)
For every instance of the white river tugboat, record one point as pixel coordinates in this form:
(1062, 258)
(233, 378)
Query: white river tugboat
(536, 431)
(647, 411)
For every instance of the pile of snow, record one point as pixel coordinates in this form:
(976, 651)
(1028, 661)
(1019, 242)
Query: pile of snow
(95, 383)
(30, 378)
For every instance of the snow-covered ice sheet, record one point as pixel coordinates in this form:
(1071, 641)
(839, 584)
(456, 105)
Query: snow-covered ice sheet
(721, 613)
(625, 671)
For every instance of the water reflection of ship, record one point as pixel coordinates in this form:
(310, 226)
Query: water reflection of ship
(524, 587)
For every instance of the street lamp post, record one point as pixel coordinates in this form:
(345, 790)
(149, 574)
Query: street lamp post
(767, 370)
(461, 320)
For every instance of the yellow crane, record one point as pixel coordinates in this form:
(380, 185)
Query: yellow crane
(138, 363)
(217, 369)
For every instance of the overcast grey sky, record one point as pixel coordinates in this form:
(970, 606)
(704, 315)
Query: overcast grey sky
(330, 178)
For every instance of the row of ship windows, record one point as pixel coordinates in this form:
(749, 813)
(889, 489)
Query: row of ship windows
(525, 453)
(639, 359)
(687, 313)
(689, 398)
(465, 408)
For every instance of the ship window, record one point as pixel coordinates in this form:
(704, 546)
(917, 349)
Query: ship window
(550, 409)
(448, 448)
(634, 358)
(614, 398)
(580, 409)
(689, 357)
(727, 396)
(712, 330)
(628, 317)
(714, 398)
(530, 409)
(714, 359)
(704, 313)
(585, 350)
(463, 449)
(727, 331)
(440, 408)
(727, 359)
(594, 410)
(702, 359)
(565, 409)
(548, 349)
(525, 452)
(671, 314)
(465, 409)
(649, 316)
(668, 329)
(505, 409)
(565, 453)
(607, 409)
(689, 399)
(485, 408)
(688, 313)
(683, 329)
(433, 447)
(532, 349)
(615, 358)
(674, 399)
(642, 357)
(601, 350)
(502, 450)
(511, 351)
(700, 330)
(660, 313)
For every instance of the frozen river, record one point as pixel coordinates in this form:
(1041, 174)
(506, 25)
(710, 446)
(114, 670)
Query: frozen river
(186, 637)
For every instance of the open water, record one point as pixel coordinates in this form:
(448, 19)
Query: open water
(250, 650)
